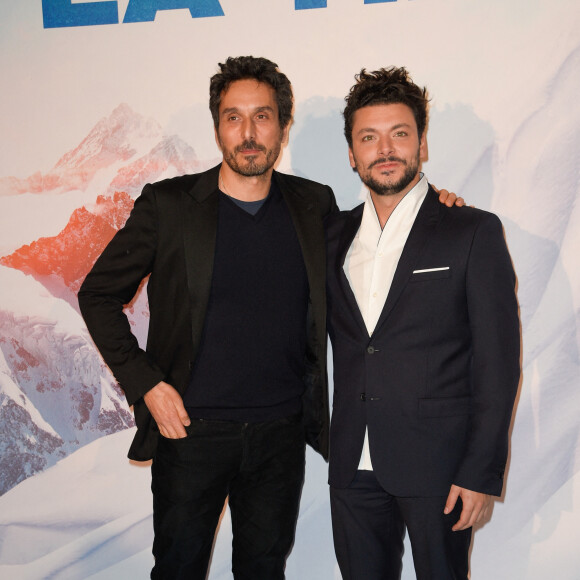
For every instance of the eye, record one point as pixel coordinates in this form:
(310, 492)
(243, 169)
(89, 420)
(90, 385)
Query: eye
(368, 138)
(262, 116)
(233, 117)
(401, 134)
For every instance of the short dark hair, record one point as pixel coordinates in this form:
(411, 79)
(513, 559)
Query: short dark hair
(382, 87)
(249, 67)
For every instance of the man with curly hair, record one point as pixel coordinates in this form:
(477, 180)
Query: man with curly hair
(233, 380)
(423, 320)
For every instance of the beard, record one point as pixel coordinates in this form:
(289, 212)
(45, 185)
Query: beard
(388, 186)
(251, 167)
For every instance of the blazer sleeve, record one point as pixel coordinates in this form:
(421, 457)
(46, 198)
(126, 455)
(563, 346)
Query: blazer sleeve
(495, 373)
(112, 283)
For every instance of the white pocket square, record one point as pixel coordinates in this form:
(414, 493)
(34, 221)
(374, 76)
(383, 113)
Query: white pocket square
(430, 270)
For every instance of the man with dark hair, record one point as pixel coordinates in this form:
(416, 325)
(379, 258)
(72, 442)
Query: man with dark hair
(233, 380)
(259, 69)
(385, 86)
(423, 320)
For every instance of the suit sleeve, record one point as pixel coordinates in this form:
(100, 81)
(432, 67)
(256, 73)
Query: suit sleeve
(495, 330)
(112, 283)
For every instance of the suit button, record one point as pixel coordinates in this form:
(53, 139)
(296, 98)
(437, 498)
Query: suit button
(363, 397)
(371, 349)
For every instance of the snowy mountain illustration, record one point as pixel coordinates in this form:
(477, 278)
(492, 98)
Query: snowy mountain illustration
(56, 394)
(61, 262)
(121, 149)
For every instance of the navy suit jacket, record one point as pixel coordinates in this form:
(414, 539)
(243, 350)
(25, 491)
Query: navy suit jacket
(436, 381)
(170, 235)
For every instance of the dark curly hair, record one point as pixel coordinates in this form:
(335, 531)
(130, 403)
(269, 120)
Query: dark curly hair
(383, 87)
(249, 67)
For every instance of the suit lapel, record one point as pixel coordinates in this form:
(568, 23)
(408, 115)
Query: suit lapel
(349, 231)
(200, 215)
(424, 225)
(308, 224)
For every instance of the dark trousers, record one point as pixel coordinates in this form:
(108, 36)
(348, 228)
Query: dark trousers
(259, 465)
(369, 524)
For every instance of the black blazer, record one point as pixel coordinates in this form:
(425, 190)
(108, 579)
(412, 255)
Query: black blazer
(436, 381)
(170, 235)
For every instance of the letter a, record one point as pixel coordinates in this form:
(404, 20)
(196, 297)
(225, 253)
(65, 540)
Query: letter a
(307, 4)
(145, 10)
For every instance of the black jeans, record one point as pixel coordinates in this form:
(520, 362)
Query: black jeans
(259, 465)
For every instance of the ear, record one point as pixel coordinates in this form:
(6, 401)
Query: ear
(351, 158)
(286, 133)
(217, 137)
(423, 148)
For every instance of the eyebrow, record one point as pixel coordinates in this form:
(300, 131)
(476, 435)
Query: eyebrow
(374, 129)
(256, 110)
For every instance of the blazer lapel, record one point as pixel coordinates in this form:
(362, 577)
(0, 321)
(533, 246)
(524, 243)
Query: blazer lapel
(308, 223)
(200, 215)
(349, 231)
(425, 222)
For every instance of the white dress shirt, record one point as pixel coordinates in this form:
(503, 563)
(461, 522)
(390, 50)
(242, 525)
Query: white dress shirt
(372, 259)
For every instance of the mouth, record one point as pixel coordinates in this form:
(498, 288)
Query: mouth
(389, 166)
(250, 149)
(385, 164)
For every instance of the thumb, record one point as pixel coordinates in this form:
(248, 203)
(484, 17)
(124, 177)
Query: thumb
(183, 416)
(451, 499)
(181, 412)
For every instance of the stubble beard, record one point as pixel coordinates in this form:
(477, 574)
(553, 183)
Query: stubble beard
(251, 168)
(393, 187)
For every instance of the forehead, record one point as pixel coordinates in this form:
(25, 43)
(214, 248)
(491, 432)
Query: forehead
(248, 94)
(383, 116)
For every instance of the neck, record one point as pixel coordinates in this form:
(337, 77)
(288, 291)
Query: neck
(242, 187)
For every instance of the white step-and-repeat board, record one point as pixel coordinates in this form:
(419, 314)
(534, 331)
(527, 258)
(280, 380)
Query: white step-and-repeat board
(99, 98)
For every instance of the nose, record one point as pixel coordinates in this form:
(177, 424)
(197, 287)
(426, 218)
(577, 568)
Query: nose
(248, 129)
(385, 146)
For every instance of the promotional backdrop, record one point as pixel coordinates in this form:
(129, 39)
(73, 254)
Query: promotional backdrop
(99, 98)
